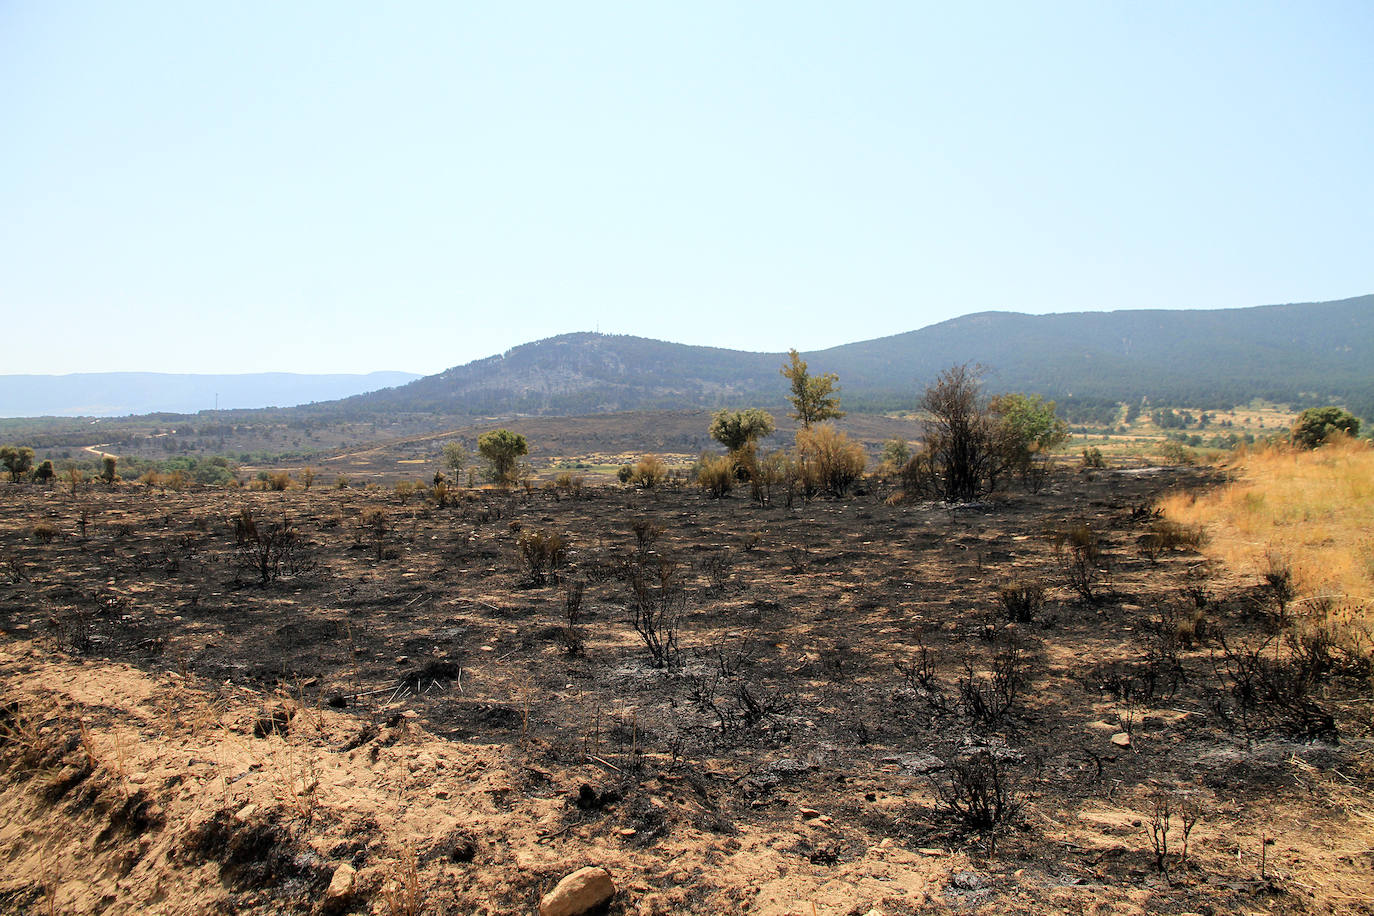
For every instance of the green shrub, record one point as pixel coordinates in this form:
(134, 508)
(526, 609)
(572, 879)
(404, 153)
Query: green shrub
(1092, 458)
(1317, 424)
(735, 429)
(1177, 453)
(1027, 427)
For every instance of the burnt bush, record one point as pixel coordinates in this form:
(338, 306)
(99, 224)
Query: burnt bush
(1265, 689)
(1022, 600)
(988, 700)
(657, 600)
(978, 792)
(271, 549)
(1082, 560)
(542, 555)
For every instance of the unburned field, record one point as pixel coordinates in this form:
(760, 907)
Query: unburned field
(1052, 702)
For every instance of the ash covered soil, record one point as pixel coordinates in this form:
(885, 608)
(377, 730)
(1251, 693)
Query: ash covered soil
(845, 715)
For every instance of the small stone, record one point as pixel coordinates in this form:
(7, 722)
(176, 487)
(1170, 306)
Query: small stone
(578, 893)
(246, 812)
(1121, 739)
(441, 793)
(340, 892)
(808, 813)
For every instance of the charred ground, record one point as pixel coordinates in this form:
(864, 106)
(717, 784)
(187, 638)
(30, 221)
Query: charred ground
(844, 685)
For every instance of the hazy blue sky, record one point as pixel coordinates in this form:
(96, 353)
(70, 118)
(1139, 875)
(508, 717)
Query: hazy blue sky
(197, 186)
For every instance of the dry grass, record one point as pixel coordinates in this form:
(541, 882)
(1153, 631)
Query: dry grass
(1308, 511)
(403, 894)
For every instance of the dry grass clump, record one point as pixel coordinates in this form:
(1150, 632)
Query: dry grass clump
(1307, 511)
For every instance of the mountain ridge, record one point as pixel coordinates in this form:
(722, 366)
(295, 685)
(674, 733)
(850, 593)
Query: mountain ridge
(1286, 352)
(1295, 353)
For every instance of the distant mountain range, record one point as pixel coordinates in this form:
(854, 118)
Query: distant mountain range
(1317, 352)
(1293, 354)
(115, 394)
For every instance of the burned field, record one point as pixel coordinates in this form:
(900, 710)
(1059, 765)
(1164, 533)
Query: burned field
(1051, 701)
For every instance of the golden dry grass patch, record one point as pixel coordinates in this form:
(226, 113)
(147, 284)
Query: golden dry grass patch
(1310, 511)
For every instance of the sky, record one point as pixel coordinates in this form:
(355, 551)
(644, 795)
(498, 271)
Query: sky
(347, 187)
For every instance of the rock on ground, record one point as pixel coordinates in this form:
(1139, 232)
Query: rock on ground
(579, 892)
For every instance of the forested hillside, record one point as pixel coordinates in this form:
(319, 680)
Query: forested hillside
(1295, 354)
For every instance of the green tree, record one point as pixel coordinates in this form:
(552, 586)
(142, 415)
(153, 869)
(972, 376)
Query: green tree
(735, 429)
(1029, 427)
(455, 457)
(503, 450)
(17, 459)
(45, 473)
(896, 453)
(814, 398)
(1316, 424)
